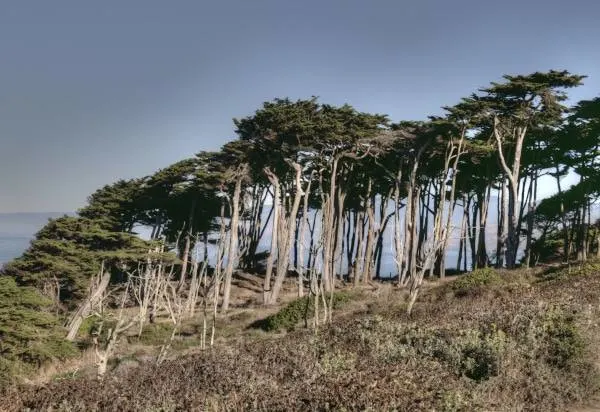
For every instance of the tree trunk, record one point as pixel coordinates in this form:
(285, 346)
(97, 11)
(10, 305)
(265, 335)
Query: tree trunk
(512, 173)
(328, 228)
(563, 218)
(462, 237)
(274, 232)
(530, 212)
(97, 290)
(473, 233)
(232, 257)
(484, 202)
(359, 248)
(367, 267)
(398, 246)
(304, 222)
(339, 232)
(410, 222)
(288, 231)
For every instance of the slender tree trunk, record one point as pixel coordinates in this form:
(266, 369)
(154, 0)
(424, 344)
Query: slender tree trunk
(351, 228)
(499, 226)
(328, 228)
(502, 227)
(423, 227)
(367, 267)
(339, 232)
(455, 151)
(311, 245)
(530, 213)
(380, 243)
(274, 233)
(563, 217)
(473, 233)
(232, 257)
(295, 243)
(410, 222)
(187, 247)
(359, 248)
(97, 290)
(462, 237)
(512, 173)
(304, 222)
(484, 201)
(397, 230)
(283, 259)
(414, 235)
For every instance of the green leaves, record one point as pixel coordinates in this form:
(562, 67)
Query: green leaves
(68, 251)
(29, 333)
(284, 129)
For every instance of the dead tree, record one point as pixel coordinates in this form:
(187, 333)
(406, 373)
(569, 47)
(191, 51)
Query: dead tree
(97, 290)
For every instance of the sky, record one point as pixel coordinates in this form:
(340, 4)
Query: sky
(91, 92)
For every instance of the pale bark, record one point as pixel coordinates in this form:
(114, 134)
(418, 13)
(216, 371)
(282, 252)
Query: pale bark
(274, 232)
(451, 201)
(397, 229)
(367, 264)
(304, 222)
(530, 212)
(359, 248)
(339, 234)
(328, 228)
(410, 222)
(232, 257)
(95, 295)
(288, 230)
(113, 337)
(463, 235)
(512, 174)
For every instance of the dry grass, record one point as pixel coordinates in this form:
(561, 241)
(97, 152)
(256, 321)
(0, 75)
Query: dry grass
(528, 342)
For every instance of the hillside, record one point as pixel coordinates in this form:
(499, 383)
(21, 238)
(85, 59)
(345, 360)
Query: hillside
(488, 341)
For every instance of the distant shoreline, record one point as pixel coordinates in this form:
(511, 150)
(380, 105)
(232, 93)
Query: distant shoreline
(37, 213)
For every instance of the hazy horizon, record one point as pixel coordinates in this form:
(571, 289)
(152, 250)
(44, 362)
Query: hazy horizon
(95, 92)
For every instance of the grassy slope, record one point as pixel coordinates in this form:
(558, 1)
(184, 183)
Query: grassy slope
(490, 342)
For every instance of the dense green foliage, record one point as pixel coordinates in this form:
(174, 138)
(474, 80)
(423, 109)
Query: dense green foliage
(475, 279)
(30, 335)
(300, 310)
(68, 251)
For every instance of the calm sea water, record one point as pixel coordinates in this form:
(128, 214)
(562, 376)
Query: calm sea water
(17, 230)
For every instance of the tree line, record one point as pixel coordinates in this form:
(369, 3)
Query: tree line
(327, 183)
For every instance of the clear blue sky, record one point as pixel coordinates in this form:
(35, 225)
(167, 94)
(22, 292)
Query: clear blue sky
(95, 91)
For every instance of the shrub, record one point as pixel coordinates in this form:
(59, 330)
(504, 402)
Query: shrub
(29, 334)
(561, 273)
(474, 353)
(332, 361)
(563, 344)
(474, 280)
(155, 334)
(296, 311)
(480, 354)
(454, 402)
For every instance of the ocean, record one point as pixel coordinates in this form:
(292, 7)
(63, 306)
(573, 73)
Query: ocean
(17, 230)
